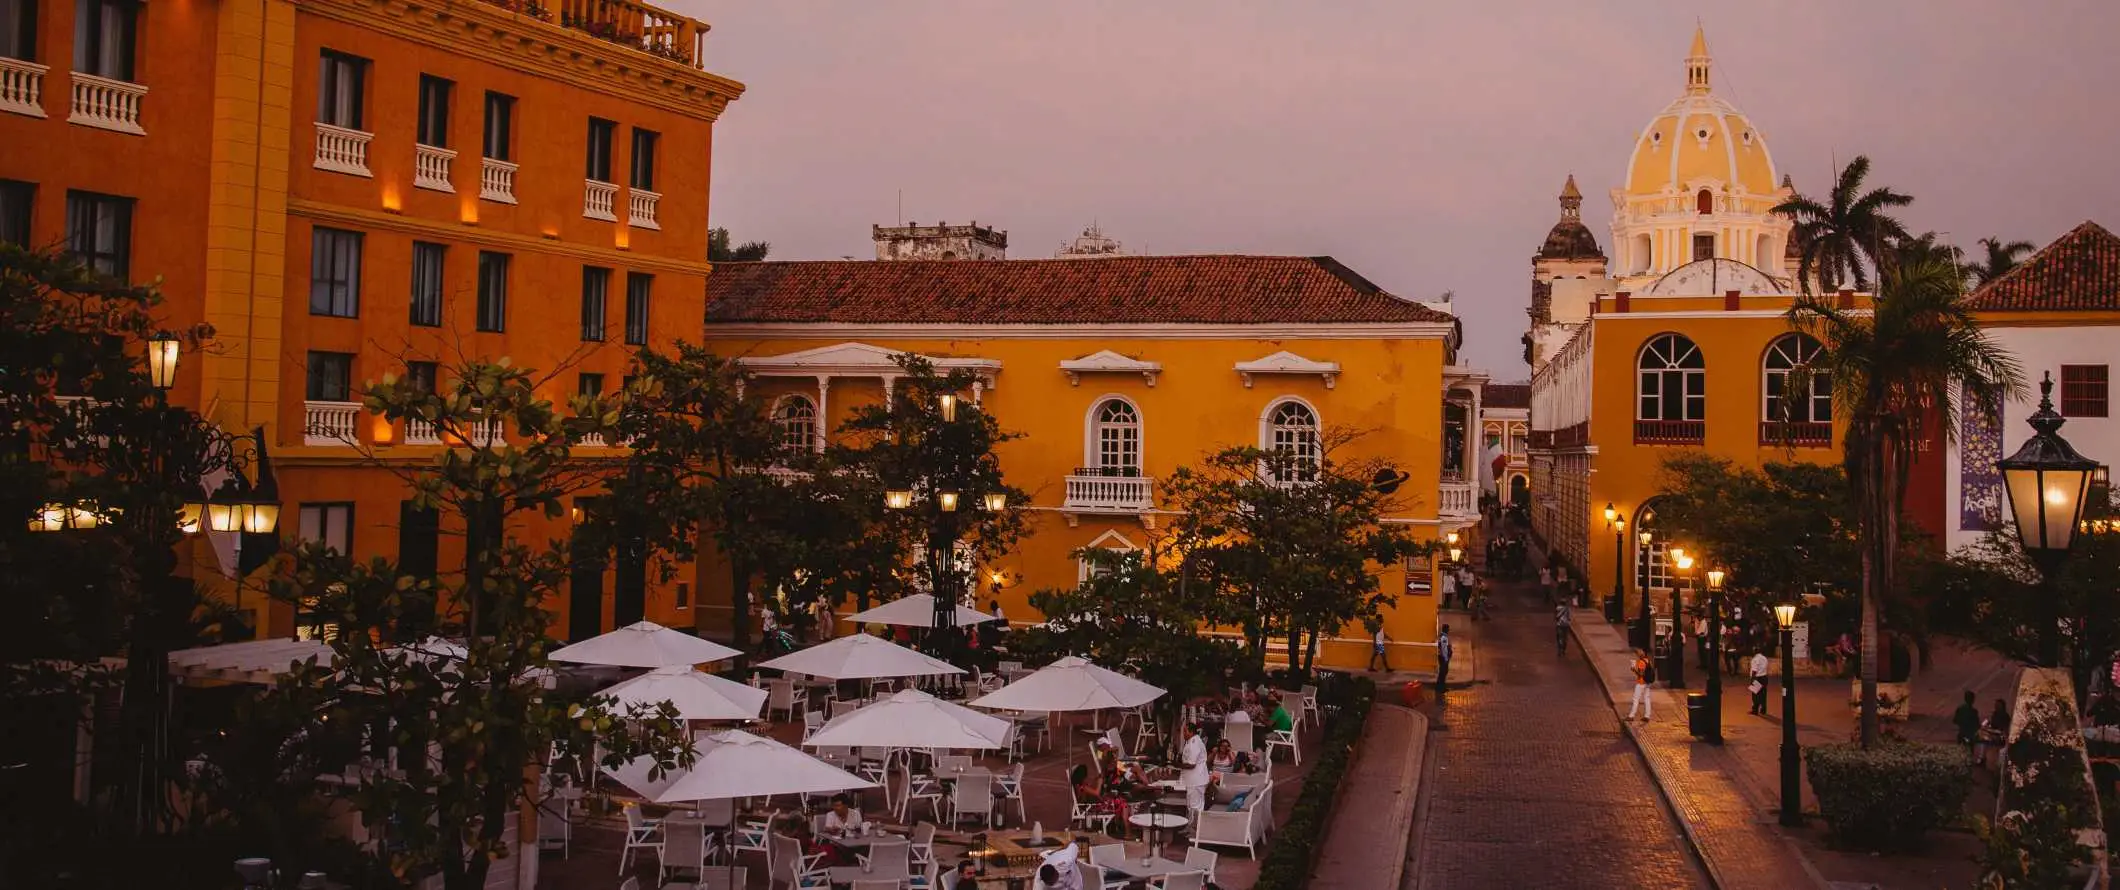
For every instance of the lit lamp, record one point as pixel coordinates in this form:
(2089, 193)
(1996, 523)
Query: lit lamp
(996, 501)
(224, 510)
(1642, 625)
(1713, 647)
(1683, 561)
(897, 499)
(1451, 538)
(1715, 580)
(163, 349)
(1611, 514)
(947, 500)
(1791, 754)
(947, 402)
(191, 515)
(2046, 480)
(1616, 604)
(1456, 554)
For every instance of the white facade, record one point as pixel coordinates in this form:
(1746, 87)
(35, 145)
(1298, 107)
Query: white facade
(1973, 506)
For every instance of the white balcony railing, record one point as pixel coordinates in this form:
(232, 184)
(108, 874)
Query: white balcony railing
(331, 423)
(599, 200)
(341, 150)
(1114, 494)
(490, 432)
(431, 168)
(420, 432)
(783, 475)
(107, 104)
(640, 209)
(592, 440)
(1457, 499)
(22, 87)
(496, 181)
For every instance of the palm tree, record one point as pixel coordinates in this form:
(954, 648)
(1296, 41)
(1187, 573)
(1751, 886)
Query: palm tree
(2001, 257)
(1893, 370)
(1851, 225)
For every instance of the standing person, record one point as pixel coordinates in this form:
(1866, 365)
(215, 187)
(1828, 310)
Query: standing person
(1644, 674)
(1479, 600)
(990, 631)
(1545, 582)
(1194, 756)
(1967, 719)
(1443, 653)
(1998, 731)
(1561, 619)
(1449, 588)
(1378, 655)
(1759, 682)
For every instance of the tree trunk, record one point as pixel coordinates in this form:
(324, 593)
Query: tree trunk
(1310, 655)
(1295, 648)
(740, 607)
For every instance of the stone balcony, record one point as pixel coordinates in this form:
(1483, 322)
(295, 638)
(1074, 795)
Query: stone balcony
(1090, 491)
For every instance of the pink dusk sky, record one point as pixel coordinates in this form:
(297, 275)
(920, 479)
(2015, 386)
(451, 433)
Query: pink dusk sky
(1422, 144)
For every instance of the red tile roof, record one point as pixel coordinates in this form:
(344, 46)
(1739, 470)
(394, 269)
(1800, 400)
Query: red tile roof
(1105, 290)
(1506, 395)
(2080, 270)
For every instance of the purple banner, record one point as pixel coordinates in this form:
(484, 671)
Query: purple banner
(1979, 447)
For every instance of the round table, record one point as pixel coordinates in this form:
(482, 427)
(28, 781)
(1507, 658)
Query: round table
(1153, 822)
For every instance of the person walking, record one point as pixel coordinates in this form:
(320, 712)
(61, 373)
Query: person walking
(1449, 589)
(1545, 582)
(1378, 655)
(1194, 757)
(1759, 682)
(1644, 675)
(1562, 617)
(1967, 719)
(1443, 653)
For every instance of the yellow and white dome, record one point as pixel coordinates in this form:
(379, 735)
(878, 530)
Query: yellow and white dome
(1700, 140)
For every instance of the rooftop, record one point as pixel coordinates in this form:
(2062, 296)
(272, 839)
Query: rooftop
(1207, 289)
(2079, 271)
(1506, 395)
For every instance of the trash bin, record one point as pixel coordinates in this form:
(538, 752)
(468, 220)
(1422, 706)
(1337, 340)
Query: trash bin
(1615, 609)
(1698, 721)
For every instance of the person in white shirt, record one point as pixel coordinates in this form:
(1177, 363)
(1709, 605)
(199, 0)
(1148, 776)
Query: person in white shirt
(1759, 683)
(1379, 654)
(842, 818)
(1194, 756)
(1449, 588)
(1058, 871)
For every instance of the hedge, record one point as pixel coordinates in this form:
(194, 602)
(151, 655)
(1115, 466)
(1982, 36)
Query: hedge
(1295, 845)
(1887, 797)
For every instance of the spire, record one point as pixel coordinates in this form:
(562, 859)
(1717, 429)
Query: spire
(1571, 200)
(1697, 62)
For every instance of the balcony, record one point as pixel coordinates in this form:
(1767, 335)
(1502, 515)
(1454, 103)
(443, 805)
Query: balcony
(331, 423)
(657, 32)
(107, 104)
(599, 200)
(341, 150)
(22, 87)
(491, 432)
(785, 476)
(496, 181)
(1796, 434)
(420, 432)
(1457, 500)
(1670, 432)
(1090, 491)
(640, 209)
(431, 168)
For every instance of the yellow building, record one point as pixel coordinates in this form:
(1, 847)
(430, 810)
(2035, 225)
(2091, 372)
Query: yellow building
(1118, 370)
(1679, 343)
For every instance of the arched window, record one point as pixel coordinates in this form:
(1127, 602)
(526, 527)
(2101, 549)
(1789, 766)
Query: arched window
(1292, 429)
(1674, 380)
(1812, 402)
(1704, 202)
(1652, 564)
(796, 418)
(1115, 435)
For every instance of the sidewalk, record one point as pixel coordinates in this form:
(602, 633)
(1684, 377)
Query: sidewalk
(1372, 822)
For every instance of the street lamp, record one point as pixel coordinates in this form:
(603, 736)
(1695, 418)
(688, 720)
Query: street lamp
(163, 350)
(1714, 650)
(1642, 626)
(1617, 604)
(1684, 563)
(2046, 480)
(1791, 786)
(948, 404)
(996, 501)
(897, 499)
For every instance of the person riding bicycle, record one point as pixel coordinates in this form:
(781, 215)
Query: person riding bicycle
(1562, 617)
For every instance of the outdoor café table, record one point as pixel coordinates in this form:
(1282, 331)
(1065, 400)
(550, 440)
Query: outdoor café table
(863, 841)
(847, 874)
(1153, 822)
(1151, 867)
(1021, 863)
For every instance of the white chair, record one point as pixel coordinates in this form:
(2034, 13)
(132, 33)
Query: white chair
(1107, 856)
(749, 835)
(973, 795)
(1093, 877)
(1007, 667)
(926, 788)
(783, 696)
(922, 843)
(1280, 738)
(1308, 701)
(890, 859)
(790, 867)
(1239, 734)
(1146, 731)
(1011, 785)
(629, 884)
(1204, 860)
(1089, 816)
(642, 833)
(1246, 827)
(555, 827)
(1185, 880)
(684, 850)
(812, 721)
(845, 706)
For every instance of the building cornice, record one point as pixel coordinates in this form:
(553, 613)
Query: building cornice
(492, 34)
(967, 331)
(378, 220)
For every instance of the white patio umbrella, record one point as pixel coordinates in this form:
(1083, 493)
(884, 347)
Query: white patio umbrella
(1070, 684)
(644, 644)
(733, 763)
(912, 719)
(860, 657)
(917, 610)
(697, 695)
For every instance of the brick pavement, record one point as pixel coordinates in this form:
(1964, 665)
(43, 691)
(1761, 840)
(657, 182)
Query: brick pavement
(1365, 845)
(1532, 782)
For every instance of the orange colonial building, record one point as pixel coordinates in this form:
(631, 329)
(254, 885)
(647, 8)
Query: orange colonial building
(349, 188)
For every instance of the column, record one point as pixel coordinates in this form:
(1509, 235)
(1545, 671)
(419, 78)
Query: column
(824, 389)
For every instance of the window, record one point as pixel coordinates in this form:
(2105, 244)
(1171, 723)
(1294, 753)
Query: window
(596, 288)
(589, 385)
(1704, 202)
(600, 133)
(1703, 247)
(1814, 402)
(1292, 429)
(334, 272)
(684, 594)
(427, 283)
(340, 81)
(1674, 380)
(15, 200)
(643, 160)
(639, 288)
(492, 292)
(330, 377)
(434, 110)
(2083, 390)
(500, 126)
(18, 29)
(328, 524)
(419, 540)
(1116, 433)
(796, 418)
(99, 231)
(422, 376)
(103, 37)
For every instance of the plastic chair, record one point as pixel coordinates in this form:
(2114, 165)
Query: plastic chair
(1309, 701)
(1011, 784)
(1107, 856)
(922, 843)
(642, 833)
(782, 696)
(749, 835)
(926, 788)
(1202, 859)
(684, 849)
(973, 795)
(1185, 880)
(792, 868)
(1283, 739)
(890, 859)
(812, 721)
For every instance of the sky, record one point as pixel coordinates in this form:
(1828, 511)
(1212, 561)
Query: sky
(1422, 144)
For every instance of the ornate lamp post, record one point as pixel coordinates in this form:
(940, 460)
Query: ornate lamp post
(1616, 605)
(1676, 677)
(1642, 626)
(1791, 753)
(946, 524)
(1714, 648)
(2047, 480)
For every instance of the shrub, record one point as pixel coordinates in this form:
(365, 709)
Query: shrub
(1887, 797)
(1295, 845)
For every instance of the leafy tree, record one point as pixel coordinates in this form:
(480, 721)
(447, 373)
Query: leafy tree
(470, 721)
(1893, 372)
(2002, 256)
(1288, 540)
(1796, 531)
(1836, 235)
(1991, 594)
(719, 249)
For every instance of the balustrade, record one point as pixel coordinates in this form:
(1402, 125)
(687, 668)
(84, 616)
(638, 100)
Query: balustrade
(431, 168)
(341, 150)
(22, 87)
(107, 104)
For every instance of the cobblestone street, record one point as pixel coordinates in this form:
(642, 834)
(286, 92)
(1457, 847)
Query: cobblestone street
(1532, 783)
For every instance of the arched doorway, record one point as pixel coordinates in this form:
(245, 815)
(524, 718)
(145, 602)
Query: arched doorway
(1519, 491)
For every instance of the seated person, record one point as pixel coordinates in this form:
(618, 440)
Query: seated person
(1245, 764)
(1090, 790)
(964, 877)
(1119, 775)
(842, 819)
(1223, 758)
(1282, 720)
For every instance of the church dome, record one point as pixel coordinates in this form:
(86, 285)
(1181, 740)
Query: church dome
(1570, 239)
(1700, 141)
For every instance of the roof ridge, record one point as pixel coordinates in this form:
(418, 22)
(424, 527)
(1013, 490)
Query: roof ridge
(2087, 235)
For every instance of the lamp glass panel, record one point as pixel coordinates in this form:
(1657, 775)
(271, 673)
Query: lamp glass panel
(947, 501)
(262, 519)
(1785, 615)
(996, 501)
(223, 517)
(191, 517)
(162, 355)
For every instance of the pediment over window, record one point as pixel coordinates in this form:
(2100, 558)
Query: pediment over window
(1285, 362)
(1109, 362)
(857, 360)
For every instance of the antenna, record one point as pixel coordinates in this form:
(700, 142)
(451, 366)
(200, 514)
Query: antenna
(901, 207)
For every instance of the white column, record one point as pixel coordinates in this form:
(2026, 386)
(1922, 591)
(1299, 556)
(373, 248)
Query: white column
(824, 389)
(888, 382)
(978, 388)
